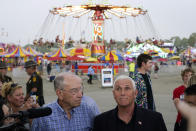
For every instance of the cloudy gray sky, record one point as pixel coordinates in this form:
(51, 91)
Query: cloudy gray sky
(21, 19)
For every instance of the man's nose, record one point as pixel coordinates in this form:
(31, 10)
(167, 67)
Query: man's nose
(80, 94)
(122, 92)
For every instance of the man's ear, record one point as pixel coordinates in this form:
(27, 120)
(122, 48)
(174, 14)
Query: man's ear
(59, 93)
(143, 63)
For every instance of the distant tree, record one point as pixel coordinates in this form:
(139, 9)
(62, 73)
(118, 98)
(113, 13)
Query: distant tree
(120, 45)
(27, 46)
(184, 42)
(168, 41)
(193, 34)
(43, 49)
(176, 40)
(192, 39)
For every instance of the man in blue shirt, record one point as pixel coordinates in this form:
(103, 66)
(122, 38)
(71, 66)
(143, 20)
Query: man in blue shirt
(90, 74)
(72, 111)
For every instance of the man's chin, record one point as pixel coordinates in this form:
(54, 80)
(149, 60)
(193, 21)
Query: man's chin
(77, 103)
(124, 105)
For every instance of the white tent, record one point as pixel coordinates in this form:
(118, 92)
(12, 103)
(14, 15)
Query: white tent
(141, 48)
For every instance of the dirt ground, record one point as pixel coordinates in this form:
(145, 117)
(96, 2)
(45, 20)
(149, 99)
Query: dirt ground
(169, 78)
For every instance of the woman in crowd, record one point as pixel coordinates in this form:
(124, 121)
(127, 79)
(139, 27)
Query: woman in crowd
(14, 98)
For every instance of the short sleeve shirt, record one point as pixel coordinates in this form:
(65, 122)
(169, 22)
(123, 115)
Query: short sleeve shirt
(179, 93)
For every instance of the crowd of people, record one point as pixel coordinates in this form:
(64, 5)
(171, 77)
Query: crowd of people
(74, 111)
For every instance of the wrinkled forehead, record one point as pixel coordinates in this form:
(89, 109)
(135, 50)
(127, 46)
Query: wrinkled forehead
(72, 80)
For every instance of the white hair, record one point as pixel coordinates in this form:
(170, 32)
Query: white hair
(122, 77)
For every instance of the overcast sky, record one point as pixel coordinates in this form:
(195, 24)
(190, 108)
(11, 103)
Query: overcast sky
(22, 19)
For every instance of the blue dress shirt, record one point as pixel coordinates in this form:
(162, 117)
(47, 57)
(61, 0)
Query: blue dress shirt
(91, 71)
(82, 117)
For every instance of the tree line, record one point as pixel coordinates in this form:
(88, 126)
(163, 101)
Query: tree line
(183, 43)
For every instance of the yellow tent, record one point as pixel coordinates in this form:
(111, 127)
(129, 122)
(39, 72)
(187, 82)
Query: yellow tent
(167, 50)
(174, 58)
(80, 51)
(91, 59)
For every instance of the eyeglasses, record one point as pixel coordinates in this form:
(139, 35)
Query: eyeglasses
(74, 91)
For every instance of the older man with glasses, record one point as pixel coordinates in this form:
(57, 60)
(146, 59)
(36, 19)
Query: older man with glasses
(72, 111)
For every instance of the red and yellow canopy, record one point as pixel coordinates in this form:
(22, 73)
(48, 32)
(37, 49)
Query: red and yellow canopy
(111, 57)
(18, 52)
(56, 55)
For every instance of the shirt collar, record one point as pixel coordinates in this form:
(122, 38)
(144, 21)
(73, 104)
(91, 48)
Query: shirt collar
(59, 107)
(62, 110)
(133, 116)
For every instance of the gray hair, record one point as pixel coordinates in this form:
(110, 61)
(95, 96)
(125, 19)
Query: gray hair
(61, 80)
(122, 77)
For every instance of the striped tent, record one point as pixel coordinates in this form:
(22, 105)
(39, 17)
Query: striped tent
(18, 52)
(111, 57)
(57, 55)
(34, 52)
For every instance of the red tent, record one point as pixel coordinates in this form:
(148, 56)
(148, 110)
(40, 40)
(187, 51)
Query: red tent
(58, 55)
(74, 58)
(162, 59)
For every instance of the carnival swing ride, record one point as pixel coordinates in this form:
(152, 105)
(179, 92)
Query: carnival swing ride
(96, 23)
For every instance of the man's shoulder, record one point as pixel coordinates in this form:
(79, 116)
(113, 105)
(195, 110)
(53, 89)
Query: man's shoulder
(35, 74)
(152, 120)
(179, 88)
(35, 78)
(137, 74)
(89, 104)
(51, 104)
(140, 112)
(106, 115)
(87, 100)
(149, 114)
